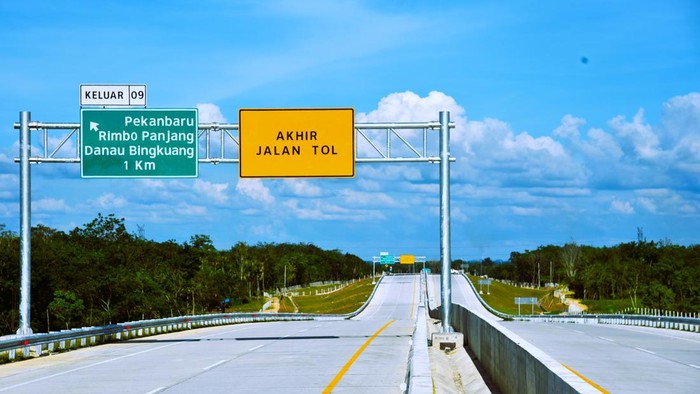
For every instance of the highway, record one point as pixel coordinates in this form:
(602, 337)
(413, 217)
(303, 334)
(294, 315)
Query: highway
(617, 359)
(366, 354)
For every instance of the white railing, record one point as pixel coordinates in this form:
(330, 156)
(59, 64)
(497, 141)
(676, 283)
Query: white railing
(38, 344)
(672, 322)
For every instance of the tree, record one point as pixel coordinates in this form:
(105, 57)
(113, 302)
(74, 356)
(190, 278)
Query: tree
(66, 307)
(571, 254)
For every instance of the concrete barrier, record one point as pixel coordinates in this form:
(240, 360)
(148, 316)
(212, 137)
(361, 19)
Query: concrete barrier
(513, 364)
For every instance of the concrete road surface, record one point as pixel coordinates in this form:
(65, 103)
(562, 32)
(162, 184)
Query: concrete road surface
(367, 354)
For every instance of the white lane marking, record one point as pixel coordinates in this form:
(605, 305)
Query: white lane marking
(240, 328)
(158, 390)
(87, 366)
(255, 348)
(580, 332)
(645, 330)
(304, 330)
(607, 339)
(694, 366)
(214, 365)
(644, 350)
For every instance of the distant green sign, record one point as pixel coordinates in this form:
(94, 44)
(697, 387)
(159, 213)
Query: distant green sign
(386, 259)
(139, 143)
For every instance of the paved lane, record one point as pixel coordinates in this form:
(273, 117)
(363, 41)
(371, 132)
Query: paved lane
(368, 354)
(620, 359)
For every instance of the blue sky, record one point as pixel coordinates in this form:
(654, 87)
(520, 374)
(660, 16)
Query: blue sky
(576, 120)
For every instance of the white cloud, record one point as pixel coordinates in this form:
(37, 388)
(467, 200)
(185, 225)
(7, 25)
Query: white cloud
(409, 107)
(681, 117)
(109, 201)
(5, 159)
(368, 199)
(323, 210)
(213, 191)
(302, 187)
(647, 203)
(569, 127)
(527, 211)
(210, 113)
(623, 207)
(637, 134)
(255, 190)
(186, 209)
(50, 205)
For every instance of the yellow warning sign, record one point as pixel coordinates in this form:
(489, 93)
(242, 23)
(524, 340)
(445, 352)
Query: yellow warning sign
(284, 143)
(407, 259)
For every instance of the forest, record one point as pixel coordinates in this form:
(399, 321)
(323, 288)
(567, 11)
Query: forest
(100, 274)
(648, 274)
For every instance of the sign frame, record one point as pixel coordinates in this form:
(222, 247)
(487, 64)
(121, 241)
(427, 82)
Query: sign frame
(318, 135)
(143, 144)
(113, 95)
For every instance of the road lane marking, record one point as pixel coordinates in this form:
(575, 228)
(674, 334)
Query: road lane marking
(241, 328)
(158, 390)
(214, 365)
(87, 366)
(585, 379)
(607, 339)
(354, 358)
(644, 350)
(255, 348)
(694, 366)
(580, 332)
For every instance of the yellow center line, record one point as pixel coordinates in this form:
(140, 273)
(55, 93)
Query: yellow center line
(354, 358)
(585, 379)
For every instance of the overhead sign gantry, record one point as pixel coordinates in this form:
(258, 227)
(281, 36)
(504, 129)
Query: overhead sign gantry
(145, 133)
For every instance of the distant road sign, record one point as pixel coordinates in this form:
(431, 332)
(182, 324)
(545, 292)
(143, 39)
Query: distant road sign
(525, 300)
(282, 143)
(112, 95)
(407, 259)
(139, 143)
(386, 259)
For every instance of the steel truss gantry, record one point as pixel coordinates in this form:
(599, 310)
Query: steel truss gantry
(394, 142)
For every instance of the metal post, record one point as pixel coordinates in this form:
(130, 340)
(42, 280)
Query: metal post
(446, 274)
(25, 205)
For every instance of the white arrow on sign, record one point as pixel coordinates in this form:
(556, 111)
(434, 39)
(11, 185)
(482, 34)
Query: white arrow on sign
(93, 126)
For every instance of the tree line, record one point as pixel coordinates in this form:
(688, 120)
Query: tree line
(648, 274)
(100, 274)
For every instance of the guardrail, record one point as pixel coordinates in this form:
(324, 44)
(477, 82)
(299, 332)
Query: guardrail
(671, 322)
(44, 343)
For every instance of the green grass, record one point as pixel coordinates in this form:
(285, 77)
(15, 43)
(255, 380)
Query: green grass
(502, 298)
(607, 306)
(286, 305)
(345, 300)
(253, 306)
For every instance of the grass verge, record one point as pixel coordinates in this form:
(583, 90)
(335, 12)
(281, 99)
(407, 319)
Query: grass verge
(345, 300)
(502, 298)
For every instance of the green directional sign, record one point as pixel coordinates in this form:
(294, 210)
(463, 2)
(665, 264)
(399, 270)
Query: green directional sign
(139, 143)
(386, 259)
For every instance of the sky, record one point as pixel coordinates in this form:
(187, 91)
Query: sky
(576, 121)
